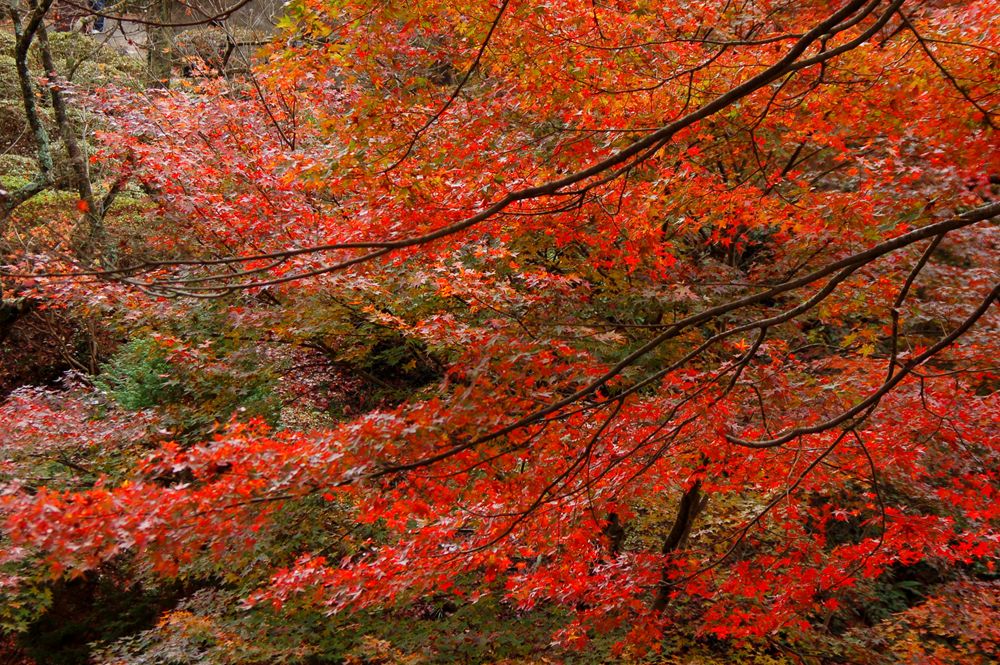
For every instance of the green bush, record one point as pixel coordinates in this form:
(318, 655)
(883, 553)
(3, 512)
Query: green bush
(193, 387)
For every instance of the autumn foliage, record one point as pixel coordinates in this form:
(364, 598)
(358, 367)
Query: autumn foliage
(669, 329)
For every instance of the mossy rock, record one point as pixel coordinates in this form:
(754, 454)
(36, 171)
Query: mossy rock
(10, 182)
(90, 64)
(6, 41)
(79, 58)
(15, 134)
(17, 166)
(18, 144)
(76, 47)
(95, 74)
(10, 87)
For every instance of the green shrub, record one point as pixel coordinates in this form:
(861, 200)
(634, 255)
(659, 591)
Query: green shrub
(193, 387)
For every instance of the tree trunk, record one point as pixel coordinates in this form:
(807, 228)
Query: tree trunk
(11, 311)
(692, 503)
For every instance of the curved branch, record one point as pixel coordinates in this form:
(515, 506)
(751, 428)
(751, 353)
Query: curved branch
(890, 383)
(221, 16)
(987, 114)
(847, 16)
(850, 263)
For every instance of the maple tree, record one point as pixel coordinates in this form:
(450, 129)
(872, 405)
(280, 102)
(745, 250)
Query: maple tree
(674, 322)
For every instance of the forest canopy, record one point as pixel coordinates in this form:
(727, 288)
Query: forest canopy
(499, 331)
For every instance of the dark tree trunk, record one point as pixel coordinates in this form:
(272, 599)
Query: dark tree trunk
(691, 504)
